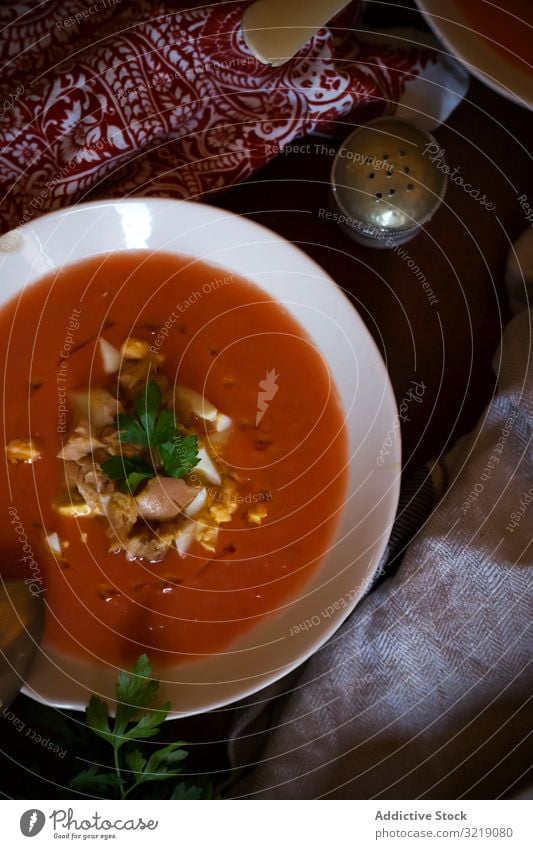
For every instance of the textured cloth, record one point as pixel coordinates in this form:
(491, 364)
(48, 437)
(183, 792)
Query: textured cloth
(149, 99)
(425, 690)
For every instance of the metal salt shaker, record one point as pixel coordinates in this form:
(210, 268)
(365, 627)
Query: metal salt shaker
(384, 185)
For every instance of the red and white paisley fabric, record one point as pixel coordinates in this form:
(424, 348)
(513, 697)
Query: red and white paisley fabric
(122, 98)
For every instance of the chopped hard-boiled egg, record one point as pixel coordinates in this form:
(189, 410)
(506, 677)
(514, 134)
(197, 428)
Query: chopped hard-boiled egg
(72, 505)
(98, 406)
(185, 538)
(110, 356)
(207, 467)
(54, 543)
(221, 513)
(207, 536)
(197, 504)
(256, 514)
(222, 423)
(193, 402)
(135, 349)
(23, 451)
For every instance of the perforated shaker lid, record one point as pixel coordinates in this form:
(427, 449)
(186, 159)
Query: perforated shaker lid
(384, 178)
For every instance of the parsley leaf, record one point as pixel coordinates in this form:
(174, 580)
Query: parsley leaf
(98, 718)
(154, 769)
(186, 791)
(135, 691)
(179, 455)
(131, 430)
(131, 470)
(93, 781)
(165, 428)
(140, 429)
(136, 719)
(134, 479)
(152, 428)
(147, 406)
(160, 766)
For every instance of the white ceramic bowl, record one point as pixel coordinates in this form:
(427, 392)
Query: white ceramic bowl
(485, 62)
(243, 247)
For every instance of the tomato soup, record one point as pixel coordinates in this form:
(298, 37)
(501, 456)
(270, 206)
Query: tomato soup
(225, 338)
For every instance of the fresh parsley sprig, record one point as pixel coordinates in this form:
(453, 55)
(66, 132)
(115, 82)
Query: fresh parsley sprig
(131, 470)
(154, 429)
(179, 455)
(151, 426)
(137, 719)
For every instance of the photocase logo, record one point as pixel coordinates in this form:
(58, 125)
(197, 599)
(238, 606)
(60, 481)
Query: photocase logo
(32, 822)
(268, 388)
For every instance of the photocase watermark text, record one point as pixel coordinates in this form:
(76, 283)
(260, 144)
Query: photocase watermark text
(436, 156)
(66, 820)
(413, 395)
(35, 581)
